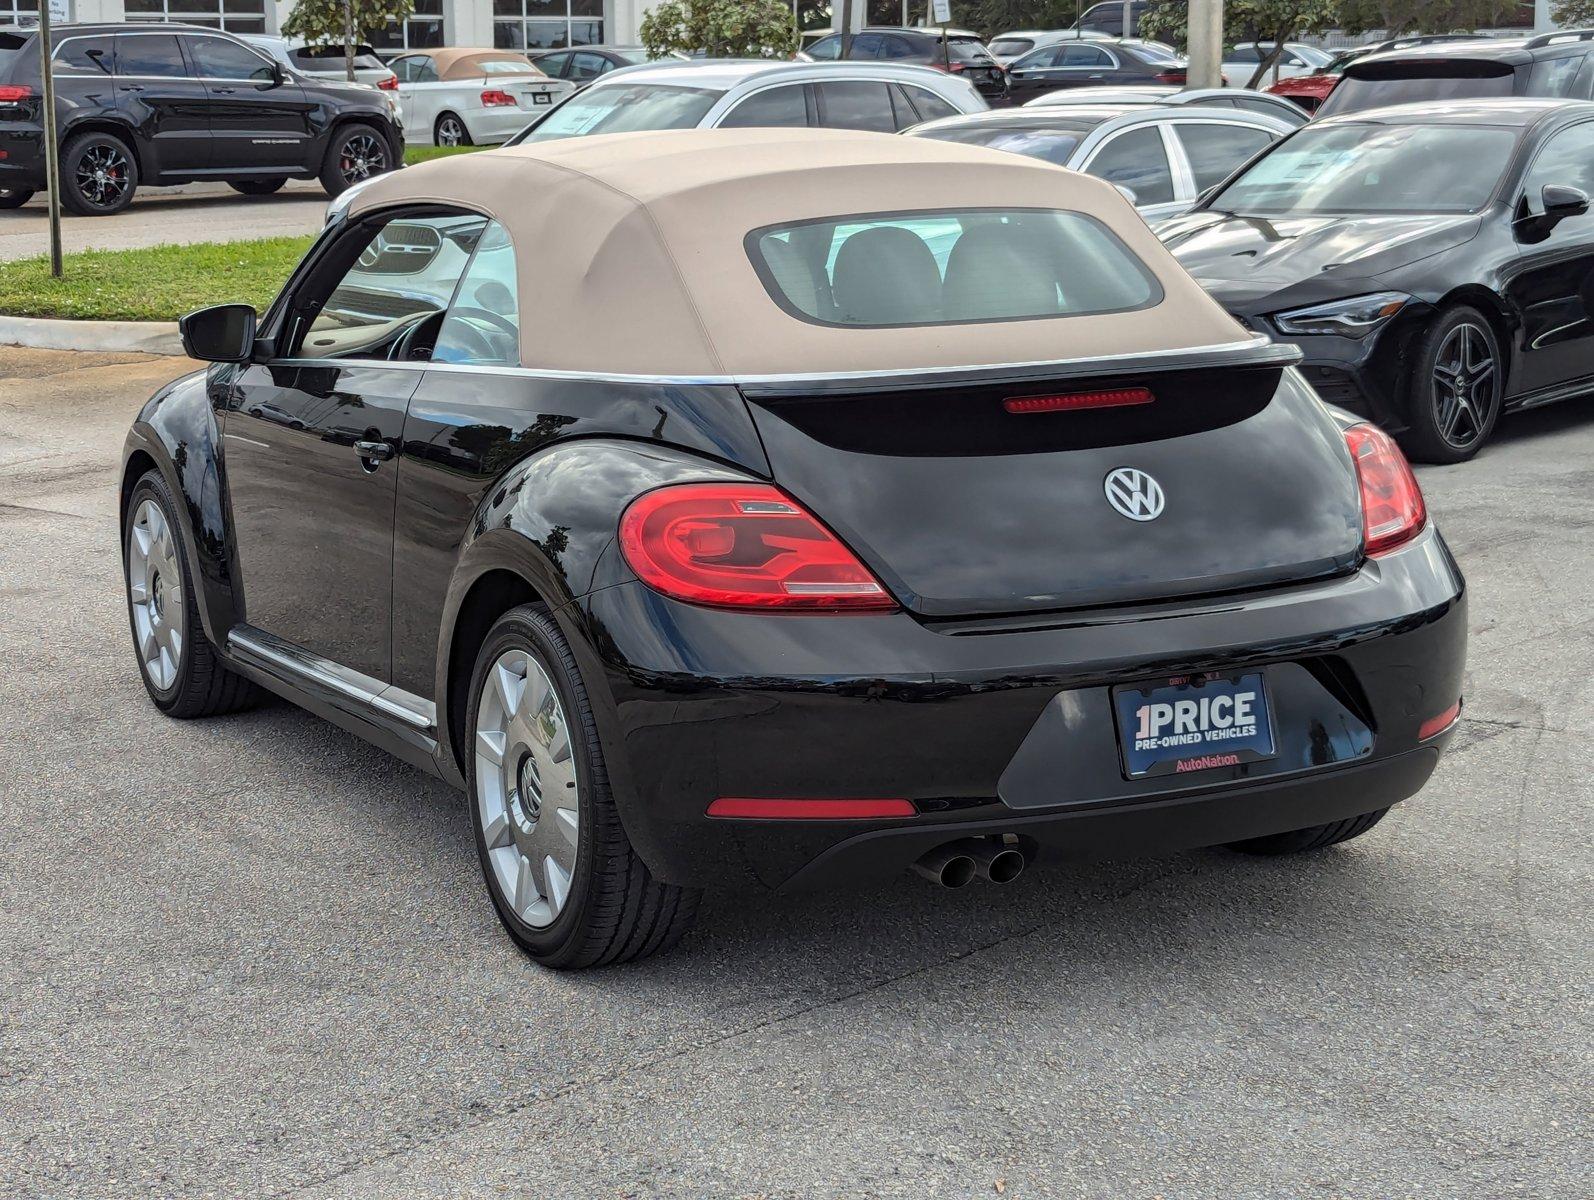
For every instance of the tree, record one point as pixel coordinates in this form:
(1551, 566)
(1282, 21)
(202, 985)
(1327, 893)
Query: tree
(343, 22)
(721, 28)
(1268, 23)
(1425, 16)
(1573, 14)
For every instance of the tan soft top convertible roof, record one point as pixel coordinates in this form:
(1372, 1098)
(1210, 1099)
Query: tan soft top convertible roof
(467, 64)
(631, 257)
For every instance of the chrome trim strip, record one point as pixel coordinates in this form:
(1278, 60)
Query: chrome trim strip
(1253, 351)
(277, 656)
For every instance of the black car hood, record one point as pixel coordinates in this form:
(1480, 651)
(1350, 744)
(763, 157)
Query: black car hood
(1245, 259)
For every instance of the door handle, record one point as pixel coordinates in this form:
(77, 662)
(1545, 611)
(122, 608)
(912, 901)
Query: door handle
(374, 451)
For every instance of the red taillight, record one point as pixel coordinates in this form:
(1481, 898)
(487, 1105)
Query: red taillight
(1434, 726)
(1171, 76)
(1393, 511)
(388, 84)
(496, 98)
(14, 93)
(1074, 401)
(809, 810)
(743, 545)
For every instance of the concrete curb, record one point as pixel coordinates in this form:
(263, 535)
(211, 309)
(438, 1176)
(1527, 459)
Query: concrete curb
(147, 337)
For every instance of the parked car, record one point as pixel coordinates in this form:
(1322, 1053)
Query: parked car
(677, 582)
(1259, 103)
(465, 97)
(1163, 158)
(1108, 18)
(877, 96)
(330, 62)
(1088, 64)
(153, 105)
(583, 64)
(1435, 263)
(1006, 48)
(1551, 65)
(1310, 90)
(1241, 64)
(960, 53)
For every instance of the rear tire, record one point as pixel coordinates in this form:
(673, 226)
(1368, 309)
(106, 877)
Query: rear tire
(98, 175)
(567, 886)
(257, 187)
(180, 668)
(356, 153)
(1313, 837)
(1458, 379)
(450, 131)
(14, 197)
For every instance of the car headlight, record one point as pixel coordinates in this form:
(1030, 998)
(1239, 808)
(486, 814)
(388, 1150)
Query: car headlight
(1352, 318)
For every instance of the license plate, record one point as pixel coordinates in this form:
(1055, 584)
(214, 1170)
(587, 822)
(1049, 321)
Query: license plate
(1194, 723)
(541, 98)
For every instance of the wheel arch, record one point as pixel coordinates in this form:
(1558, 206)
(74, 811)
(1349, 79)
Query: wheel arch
(1500, 319)
(117, 129)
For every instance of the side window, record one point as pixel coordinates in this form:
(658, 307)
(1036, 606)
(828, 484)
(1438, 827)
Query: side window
(556, 66)
(1583, 85)
(482, 327)
(389, 301)
(1078, 55)
(1215, 151)
(856, 104)
(866, 45)
(895, 47)
(1567, 159)
(417, 68)
(778, 106)
(587, 66)
(931, 107)
(1136, 160)
(1554, 76)
(150, 54)
(826, 49)
(84, 56)
(216, 58)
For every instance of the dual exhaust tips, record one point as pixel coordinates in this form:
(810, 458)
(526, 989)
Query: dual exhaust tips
(957, 863)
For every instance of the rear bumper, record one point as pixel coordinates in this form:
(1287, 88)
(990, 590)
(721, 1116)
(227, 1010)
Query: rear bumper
(500, 123)
(21, 157)
(1005, 727)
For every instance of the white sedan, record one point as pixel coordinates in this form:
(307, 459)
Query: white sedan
(1296, 59)
(464, 97)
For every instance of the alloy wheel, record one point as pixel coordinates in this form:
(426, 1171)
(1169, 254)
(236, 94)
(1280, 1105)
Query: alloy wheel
(155, 591)
(450, 132)
(1464, 383)
(102, 175)
(361, 157)
(526, 788)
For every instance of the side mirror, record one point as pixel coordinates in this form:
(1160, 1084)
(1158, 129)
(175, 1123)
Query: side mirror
(224, 333)
(1560, 202)
(278, 75)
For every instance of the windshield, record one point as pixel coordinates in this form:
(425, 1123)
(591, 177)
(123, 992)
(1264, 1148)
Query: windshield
(635, 57)
(1353, 169)
(967, 49)
(10, 44)
(1051, 145)
(623, 108)
(1357, 94)
(1158, 52)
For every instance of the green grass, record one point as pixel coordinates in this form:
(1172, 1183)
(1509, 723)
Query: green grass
(420, 154)
(159, 283)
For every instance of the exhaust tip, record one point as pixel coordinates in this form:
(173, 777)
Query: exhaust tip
(958, 871)
(948, 866)
(1006, 866)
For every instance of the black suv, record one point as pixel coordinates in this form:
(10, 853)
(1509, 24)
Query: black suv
(1556, 65)
(165, 104)
(963, 54)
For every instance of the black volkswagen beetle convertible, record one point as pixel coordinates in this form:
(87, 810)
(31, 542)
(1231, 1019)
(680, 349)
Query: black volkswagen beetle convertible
(771, 508)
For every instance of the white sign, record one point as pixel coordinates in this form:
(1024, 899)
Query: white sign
(941, 12)
(60, 11)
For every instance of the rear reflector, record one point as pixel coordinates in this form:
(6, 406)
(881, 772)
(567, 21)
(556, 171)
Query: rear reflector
(1434, 726)
(1074, 401)
(1393, 511)
(809, 810)
(743, 545)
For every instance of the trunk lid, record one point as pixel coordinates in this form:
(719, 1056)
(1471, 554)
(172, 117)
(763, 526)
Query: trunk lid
(963, 508)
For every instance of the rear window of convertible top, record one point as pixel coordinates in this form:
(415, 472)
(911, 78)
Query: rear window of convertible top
(949, 267)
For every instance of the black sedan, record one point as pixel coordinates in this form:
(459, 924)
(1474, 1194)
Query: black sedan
(1435, 264)
(1097, 63)
(583, 64)
(771, 508)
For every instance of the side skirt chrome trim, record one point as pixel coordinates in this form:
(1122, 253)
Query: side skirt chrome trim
(296, 665)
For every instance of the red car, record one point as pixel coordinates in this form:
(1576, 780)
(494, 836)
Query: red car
(1306, 90)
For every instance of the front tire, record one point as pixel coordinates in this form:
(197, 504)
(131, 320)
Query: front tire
(1457, 382)
(257, 187)
(566, 884)
(98, 175)
(1313, 837)
(180, 668)
(450, 131)
(14, 197)
(357, 152)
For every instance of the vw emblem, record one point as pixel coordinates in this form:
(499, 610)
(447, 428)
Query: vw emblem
(1134, 494)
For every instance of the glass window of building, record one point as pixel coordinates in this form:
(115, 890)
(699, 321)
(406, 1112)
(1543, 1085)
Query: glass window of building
(546, 24)
(235, 16)
(421, 30)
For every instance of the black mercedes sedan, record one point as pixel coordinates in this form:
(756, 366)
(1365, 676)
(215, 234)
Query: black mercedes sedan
(770, 508)
(1434, 263)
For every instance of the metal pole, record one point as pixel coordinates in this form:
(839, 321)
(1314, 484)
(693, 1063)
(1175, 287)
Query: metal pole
(52, 152)
(1206, 43)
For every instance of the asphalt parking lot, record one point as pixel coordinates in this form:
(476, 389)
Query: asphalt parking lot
(252, 956)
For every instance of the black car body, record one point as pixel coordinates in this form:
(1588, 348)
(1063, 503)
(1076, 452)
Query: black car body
(1108, 18)
(583, 64)
(165, 104)
(820, 625)
(960, 52)
(1443, 222)
(1553, 65)
(1094, 63)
